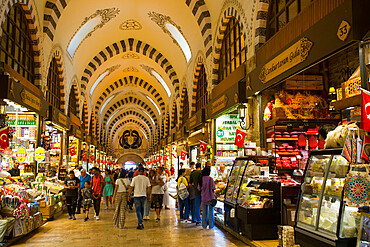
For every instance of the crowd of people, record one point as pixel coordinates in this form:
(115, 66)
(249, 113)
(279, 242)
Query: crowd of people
(122, 189)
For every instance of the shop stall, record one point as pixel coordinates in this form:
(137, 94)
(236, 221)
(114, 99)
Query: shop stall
(84, 154)
(74, 148)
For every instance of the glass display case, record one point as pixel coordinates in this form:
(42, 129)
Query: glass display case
(235, 177)
(323, 219)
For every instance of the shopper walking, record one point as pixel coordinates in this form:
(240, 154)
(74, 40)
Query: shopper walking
(166, 195)
(71, 183)
(98, 187)
(87, 194)
(157, 183)
(183, 202)
(108, 188)
(120, 197)
(83, 179)
(207, 187)
(139, 185)
(147, 205)
(195, 176)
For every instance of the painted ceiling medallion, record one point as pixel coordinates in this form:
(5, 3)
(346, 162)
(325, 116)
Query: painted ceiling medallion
(130, 69)
(130, 55)
(161, 21)
(146, 68)
(105, 14)
(130, 24)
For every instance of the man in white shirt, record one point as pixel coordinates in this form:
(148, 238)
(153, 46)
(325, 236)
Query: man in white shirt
(139, 185)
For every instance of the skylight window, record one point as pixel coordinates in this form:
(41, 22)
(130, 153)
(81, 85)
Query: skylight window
(101, 77)
(149, 117)
(160, 79)
(180, 40)
(81, 34)
(106, 102)
(159, 112)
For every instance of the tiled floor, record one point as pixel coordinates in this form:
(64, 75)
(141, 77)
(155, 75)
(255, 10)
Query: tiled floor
(169, 232)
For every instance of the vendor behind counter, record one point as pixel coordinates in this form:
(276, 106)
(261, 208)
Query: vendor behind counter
(14, 172)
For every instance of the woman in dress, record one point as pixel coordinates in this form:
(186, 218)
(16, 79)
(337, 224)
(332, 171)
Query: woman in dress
(206, 186)
(108, 188)
(120, 197)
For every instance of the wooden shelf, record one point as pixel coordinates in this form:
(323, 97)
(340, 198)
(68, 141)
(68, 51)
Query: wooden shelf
(287, 153)
(286, 139)
(347, 102)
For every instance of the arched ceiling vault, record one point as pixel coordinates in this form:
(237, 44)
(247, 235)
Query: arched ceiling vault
(129, 64)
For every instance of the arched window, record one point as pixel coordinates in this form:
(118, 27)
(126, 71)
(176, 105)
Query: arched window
(53, 93)
(174, 116)
(72, 106)
(232, 49)
(281, 12)
(185, 108)
(16, 44)
(201, 91)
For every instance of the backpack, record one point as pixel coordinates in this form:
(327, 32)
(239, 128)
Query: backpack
(183, 192)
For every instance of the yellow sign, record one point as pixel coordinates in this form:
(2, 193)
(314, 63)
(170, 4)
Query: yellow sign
(21, 155)
(31, 100)
(343, 30)
(294, 55)
(219, 104)
(193, 121)
(62, 119)
(40, 154)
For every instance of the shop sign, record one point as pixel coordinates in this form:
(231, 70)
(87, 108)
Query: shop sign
(31, 100)
(291, 57)
(226, 127)
(78, 134)
(62, 119)
(21, 155)
(343, 30)
(84, 157)
(40, 154)
(193, 121)
(219, 104)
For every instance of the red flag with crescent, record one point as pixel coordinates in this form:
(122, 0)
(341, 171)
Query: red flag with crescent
(183, 155)
(365, 110)
(72, 151)
(240, 138)
(84, 157)
(202, 146)
(4, 138)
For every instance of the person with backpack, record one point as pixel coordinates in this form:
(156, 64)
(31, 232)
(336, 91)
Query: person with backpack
(120, 198)
(207, 187)
(183, 196)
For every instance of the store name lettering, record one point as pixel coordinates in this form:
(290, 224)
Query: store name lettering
(62, 119)
(219, 104)
(30, 99)
(294, 55)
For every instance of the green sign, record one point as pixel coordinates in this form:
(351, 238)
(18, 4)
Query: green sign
(220, 133)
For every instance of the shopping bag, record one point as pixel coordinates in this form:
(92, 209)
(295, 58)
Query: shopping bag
(357, 186)
(183, 192)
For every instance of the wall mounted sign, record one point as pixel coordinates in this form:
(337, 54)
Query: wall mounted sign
(62, 119)
(343, 30)
(31, 100)
(78, 134)
(40, 154)
(289, 58)
(226, 127)
(193, 121)
(219, 104)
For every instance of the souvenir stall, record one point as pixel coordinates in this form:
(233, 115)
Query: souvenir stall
(54, 141)
(21, 111)
(84, 154)
(74, 147)
(91, 153)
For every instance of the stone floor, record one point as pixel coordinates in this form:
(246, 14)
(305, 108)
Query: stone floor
(169, 232)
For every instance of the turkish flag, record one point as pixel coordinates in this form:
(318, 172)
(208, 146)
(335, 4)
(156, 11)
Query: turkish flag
(92, 158)
(84, 157)
(98, 160)
(165, 157)
(72, 151)
(202, 146)
(4, 138)
(365, 110)
(240, 138)
(183, 155)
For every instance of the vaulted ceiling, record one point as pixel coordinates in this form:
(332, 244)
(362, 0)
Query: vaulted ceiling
(117, 50)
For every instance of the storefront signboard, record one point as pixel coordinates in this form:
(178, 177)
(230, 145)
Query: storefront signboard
(192, 121)
(292, 56)
(78, 133)
(62, 119)
(21, 155)
(40, 154)
(226, 128)
(219, 104)
(31, 99)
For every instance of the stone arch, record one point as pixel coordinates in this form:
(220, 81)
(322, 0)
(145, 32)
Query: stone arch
(224, 20)
(130, 81)
(201, 13)
(167, 124)
(133, 113)
(197, 68)
(130, 156)
(261, 22)
(34, 31)
(135, 45)
(184, 93)
(85, 116)
(129, 100)
(174, 115)
(74, 87)
(59, 61)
